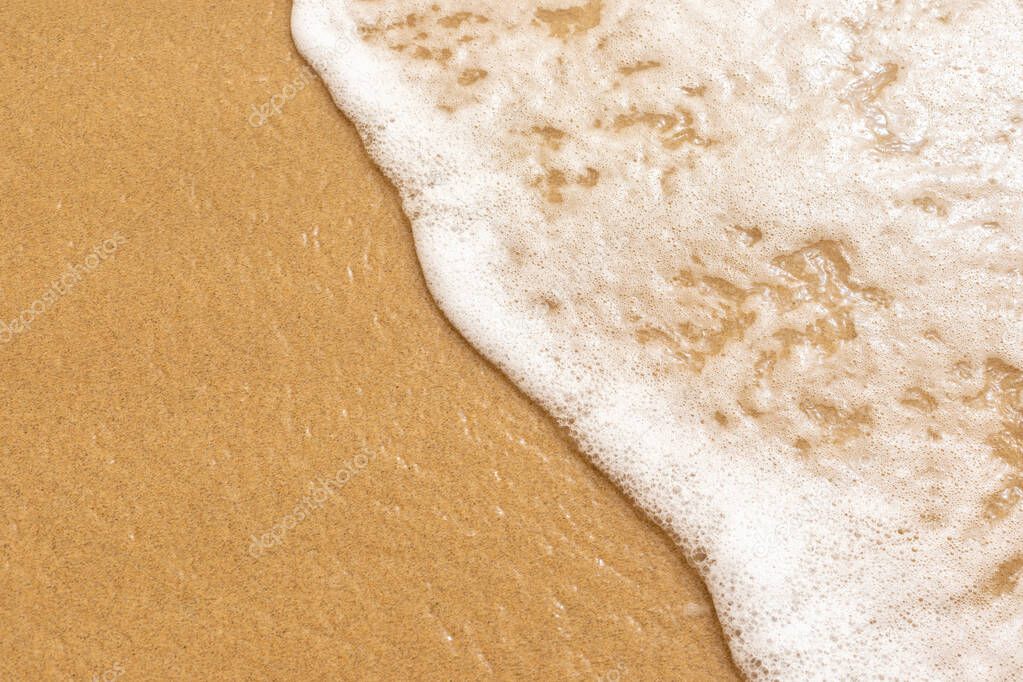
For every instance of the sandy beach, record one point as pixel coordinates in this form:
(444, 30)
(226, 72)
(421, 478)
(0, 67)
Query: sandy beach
(239, 439)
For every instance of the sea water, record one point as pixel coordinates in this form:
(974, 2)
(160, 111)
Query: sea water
(764, 260)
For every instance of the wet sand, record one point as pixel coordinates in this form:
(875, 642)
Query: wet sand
(262, 323)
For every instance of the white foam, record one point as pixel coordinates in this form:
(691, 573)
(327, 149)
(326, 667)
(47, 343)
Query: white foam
(763, 260)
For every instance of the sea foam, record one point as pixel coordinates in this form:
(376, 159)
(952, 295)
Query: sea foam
(763, 260)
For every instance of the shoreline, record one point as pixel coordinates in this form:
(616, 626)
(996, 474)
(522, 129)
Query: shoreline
(267, 321)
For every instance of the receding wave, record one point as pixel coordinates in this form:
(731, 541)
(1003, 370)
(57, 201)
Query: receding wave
(764, 261)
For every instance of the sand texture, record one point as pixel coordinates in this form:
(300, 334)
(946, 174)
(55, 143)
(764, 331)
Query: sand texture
(261, 322)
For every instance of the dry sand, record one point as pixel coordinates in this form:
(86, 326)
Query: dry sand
(263, 322)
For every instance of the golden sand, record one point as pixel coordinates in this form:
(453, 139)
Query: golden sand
(263, 323)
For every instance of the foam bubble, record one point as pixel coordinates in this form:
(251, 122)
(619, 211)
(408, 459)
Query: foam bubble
(763, 260)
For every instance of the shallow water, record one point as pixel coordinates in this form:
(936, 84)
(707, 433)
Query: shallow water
(763, 261)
